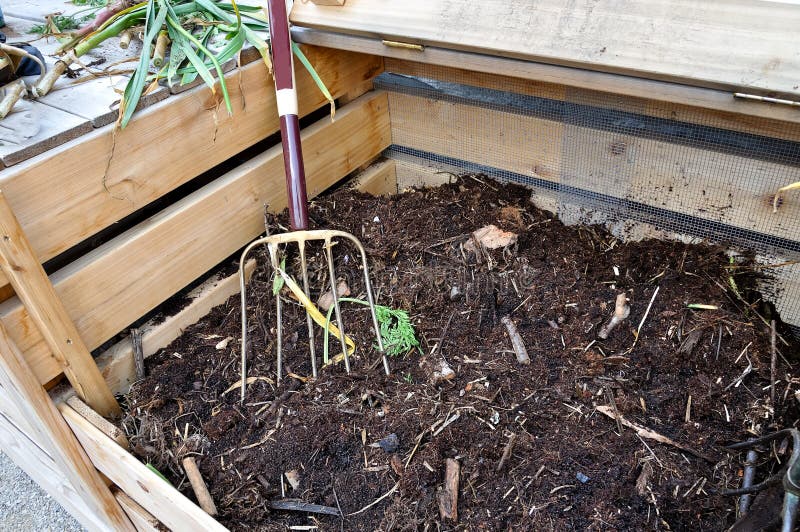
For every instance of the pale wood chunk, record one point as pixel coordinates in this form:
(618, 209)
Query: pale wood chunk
(141, 519)
(108, 428)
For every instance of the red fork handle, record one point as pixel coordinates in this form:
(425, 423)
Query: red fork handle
(286, 96)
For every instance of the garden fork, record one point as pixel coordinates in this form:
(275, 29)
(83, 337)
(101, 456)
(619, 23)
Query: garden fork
(286, 97)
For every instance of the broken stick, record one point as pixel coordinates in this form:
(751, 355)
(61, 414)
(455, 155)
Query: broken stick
(448, 497)
(199, 486)
(507, 450)
(138, 353)
(516, 341)
(644, 432)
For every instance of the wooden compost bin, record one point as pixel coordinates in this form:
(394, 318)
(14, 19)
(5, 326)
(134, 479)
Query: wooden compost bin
(64, 196)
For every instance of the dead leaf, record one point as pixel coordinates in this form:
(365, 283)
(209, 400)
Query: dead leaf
(250, 380)
(512, 215)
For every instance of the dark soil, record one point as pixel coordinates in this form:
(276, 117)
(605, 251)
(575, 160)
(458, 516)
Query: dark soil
(570, 467)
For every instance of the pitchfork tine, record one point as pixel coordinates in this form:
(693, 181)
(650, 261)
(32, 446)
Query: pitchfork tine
(302, 245)
(332, 273)
(273, 257)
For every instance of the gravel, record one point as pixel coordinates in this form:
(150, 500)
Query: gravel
(25, 506)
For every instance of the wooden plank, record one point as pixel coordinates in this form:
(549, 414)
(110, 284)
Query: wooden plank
(102, 177)
(48, 315)
(67, 455)
(141, 484)
(542, 74)
(378, 179)
(522, 144)
(33, 128)
(108, 428)
(410, 175)
(112, 286)
(96, 100)
(117, 365)
(710, 185)
(38, 465)
(141, 518)
(725, 44)
(640, 103)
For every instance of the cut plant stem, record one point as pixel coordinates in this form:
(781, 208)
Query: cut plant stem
(13, 93)
(701, 306)
(125, 39)
(773, 366)
(161, 49)
(646, 312)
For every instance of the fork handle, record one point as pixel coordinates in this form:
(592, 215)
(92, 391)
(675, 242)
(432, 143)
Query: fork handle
(286, 97)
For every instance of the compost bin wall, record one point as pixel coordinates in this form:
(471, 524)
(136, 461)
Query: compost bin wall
(670, 168)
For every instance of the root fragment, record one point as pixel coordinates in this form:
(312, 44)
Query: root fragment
(621, 312)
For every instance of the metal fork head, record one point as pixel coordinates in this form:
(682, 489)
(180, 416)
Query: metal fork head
(273, 243)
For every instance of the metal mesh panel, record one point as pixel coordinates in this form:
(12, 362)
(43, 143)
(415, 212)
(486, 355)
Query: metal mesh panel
(644, 168)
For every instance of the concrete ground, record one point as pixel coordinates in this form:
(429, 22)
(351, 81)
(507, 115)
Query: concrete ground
(24, 506)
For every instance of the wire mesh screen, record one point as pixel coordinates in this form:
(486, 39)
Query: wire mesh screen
(642, 167)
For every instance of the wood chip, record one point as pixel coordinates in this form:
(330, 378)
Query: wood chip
(448, 497)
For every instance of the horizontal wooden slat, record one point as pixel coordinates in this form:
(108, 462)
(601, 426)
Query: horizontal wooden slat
(378, 179)
(540, 75)
(47, 312)
(711, 185)
(160, 499)
(725, 44)
(114, 285)
(70, 193)
(730, 117)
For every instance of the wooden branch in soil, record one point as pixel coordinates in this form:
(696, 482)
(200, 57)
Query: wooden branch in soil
(199, 485)
(448, 497)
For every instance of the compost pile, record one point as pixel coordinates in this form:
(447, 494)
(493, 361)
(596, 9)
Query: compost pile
(547, 445)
